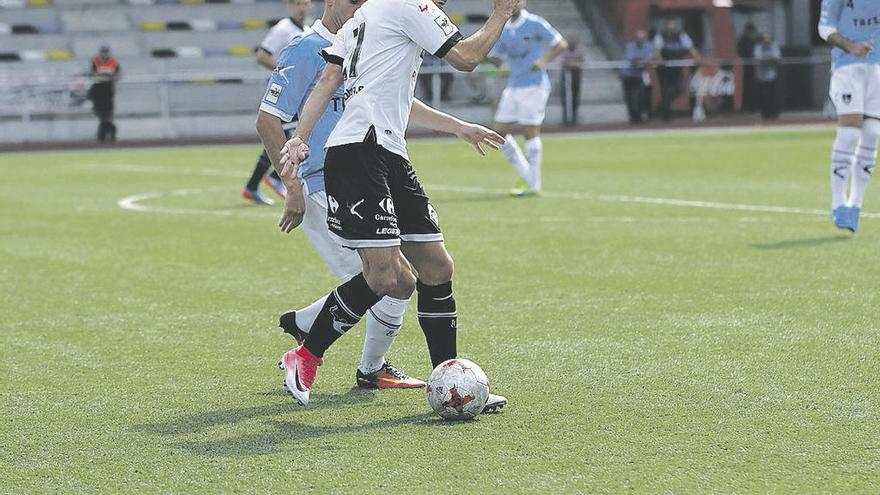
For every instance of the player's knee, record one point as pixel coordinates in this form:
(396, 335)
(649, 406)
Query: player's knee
(406, 283)
(439, 271)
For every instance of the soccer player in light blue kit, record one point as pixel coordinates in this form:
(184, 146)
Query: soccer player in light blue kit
(298, 70)
(528, 43)
(853, 28)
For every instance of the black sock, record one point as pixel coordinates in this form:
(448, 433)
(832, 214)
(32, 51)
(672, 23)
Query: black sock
(260, 169)
(343, 309)
(274, 174)
(438, 320)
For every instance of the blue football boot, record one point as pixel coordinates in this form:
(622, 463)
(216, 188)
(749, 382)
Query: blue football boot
(844, 219)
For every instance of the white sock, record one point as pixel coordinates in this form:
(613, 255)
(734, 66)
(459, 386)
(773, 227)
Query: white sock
(535, 155)
(305, 317)
(515, 156)
(866, 156)
(842, 159)
(383, 324)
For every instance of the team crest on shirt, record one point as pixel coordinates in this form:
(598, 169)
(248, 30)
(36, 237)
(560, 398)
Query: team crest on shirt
(332, 203)
(273, 93)
(847, 98)
(444, 24)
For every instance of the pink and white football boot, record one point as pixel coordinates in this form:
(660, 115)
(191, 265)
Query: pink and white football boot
(300, 367)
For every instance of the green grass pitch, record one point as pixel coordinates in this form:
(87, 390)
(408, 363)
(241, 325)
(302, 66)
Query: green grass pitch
(676, 315)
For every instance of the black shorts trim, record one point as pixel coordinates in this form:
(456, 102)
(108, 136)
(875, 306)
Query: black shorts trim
(332, 59)
(452, 41)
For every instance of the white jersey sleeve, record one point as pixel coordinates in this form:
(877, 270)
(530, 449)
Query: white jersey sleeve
(281, 34)
(429, 27)
(829, 17)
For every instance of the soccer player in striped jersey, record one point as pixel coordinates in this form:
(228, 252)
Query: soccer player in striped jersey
(853, 28)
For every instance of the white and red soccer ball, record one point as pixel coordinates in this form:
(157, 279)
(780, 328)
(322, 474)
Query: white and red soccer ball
(458, 389)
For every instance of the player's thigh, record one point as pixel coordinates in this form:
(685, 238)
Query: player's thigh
(847, 90)
(431, 261)
(872, 91)
(356, 180)
(416, 216)
(533, 106)
(420, 230)
(508, 107)
(343, 262)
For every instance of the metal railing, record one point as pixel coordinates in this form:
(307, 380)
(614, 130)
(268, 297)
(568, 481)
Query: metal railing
(172, 94)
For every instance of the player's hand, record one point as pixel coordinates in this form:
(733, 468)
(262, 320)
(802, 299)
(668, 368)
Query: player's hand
(478, 136)
(294, 152)
(861, 49)
(294, 209)
(539, 64)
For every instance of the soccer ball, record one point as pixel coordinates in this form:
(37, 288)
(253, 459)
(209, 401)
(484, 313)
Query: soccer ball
(458, 389)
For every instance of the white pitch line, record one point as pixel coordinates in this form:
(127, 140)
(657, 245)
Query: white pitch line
(147, 169)
(133, 202)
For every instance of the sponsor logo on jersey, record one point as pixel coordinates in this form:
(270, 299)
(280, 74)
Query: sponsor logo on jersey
(350, 92)
(387, 205)
(423, 8)
(866, 21)
(353, 209)
(273, 93)
(282, 71)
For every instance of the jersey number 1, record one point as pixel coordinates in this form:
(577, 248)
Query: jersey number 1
(359, 33)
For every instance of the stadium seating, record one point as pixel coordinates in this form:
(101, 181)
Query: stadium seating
(203, 48)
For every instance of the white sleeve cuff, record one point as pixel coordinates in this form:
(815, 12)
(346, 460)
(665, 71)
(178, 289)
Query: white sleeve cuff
(265, 107)
(826, 31)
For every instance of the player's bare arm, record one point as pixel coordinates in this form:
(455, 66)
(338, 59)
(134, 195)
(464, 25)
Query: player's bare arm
(550, 55)
(266, 59)
(477, 135)
(861, 49)
(296, 150)
(467, 54)
(271, 132)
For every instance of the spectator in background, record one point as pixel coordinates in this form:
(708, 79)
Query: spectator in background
(636, 81)
(572, 59)
(105, 71)
(673, 45)
(426, 79)
(767, 56)
(745, 48)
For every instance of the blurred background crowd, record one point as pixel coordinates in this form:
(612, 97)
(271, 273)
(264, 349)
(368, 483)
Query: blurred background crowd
(193, 68)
